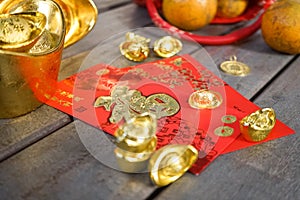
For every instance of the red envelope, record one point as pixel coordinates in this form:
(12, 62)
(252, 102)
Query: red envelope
(177, 77)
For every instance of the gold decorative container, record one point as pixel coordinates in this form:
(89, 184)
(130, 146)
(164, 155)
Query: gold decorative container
(28, 77)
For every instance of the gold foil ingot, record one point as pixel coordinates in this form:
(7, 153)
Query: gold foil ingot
(235, 67)
(136, 134)
(20, 31)
(167, 46)
(80, 16)
(135, 48)
(132, 162)
(257, 126)
(205, 99)
(170, 162)
(29, 77)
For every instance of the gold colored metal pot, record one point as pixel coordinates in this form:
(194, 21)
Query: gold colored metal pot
(28, 78)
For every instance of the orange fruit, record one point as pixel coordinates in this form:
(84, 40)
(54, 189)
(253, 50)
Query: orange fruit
(281, 26)
(189, 14)
(231, 8)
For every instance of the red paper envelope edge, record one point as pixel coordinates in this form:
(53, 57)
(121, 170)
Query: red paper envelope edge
(236, 104)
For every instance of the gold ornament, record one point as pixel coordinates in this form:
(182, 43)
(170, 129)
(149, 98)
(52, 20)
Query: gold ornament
(205, 99)
(228, 119)
(136, 134)
(235, 67)
(167, 46)
(135, 47)
(170, 162)
(129, 103)
(20, 31)
(257, 126)
(224, 131)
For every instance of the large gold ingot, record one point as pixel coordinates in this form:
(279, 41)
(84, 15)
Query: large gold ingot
(29, 78)
(257, 126)
(80, 16)
(170, 162)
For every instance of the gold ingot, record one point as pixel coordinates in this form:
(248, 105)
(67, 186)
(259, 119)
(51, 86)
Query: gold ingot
(224, 131)
(205, 99)
(167, 46)
(257, 126)
(20, 31)
(136, 134)
(28, 78)
(133, 162)
(135, 48)
(170, 162)
(80, 16)
(235, 67)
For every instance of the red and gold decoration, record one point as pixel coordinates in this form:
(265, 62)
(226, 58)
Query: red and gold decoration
(108, 97)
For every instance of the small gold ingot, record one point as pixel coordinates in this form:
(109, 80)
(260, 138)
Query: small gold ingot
(135, 48)
(257, 126)
(20, 31)
(170, 162)
(224, 131)
(205, 99)
(167, 46)
(228, 119)
(133, 162)
(137, 134)
(235, 67)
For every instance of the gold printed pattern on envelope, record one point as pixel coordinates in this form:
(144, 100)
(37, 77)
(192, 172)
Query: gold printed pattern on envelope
(127, 103)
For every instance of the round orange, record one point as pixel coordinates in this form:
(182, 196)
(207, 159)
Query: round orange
(189, 14)
(231, 8)
(281, 26)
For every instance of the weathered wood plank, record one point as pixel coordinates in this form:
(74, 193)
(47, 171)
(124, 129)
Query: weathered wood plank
(60, 167)
(18, 133)
(264, 63)
(266, 171)
(104, 5)
(109, 23)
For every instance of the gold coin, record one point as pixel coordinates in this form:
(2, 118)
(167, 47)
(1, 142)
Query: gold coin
(224, 131)
(228, 119)
(235, 67)
(205, 99)
(167, 46)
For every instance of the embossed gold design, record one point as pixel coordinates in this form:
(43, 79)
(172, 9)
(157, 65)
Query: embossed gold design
(170, 162)
(228, 119)
(257, 126)
(129, 103)
(20, 31)
(224, 131)
(205, 99)
(167, 46)
(235, 67)
(135, 47)
(80, 16)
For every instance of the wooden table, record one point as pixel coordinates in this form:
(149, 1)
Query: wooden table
(42, 156)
